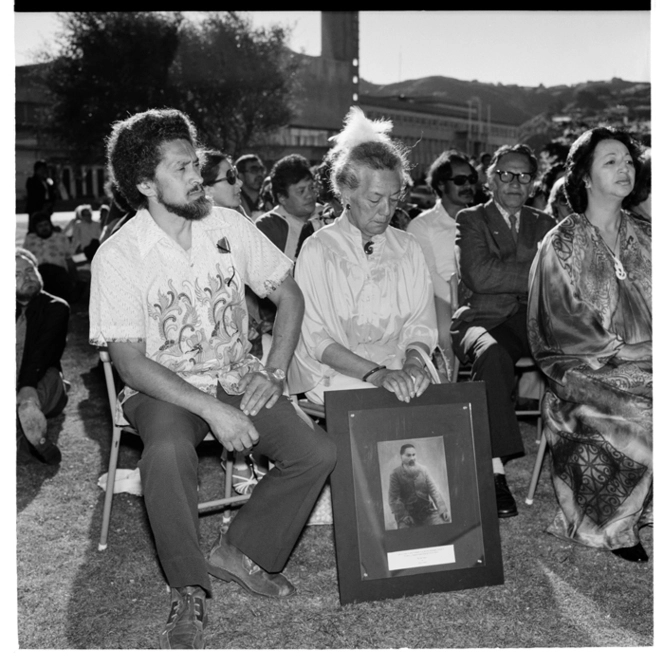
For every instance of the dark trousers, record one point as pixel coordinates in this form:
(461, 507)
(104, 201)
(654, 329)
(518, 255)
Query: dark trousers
(52, 392)
(268, 525)
(57, 281)
(493, 355)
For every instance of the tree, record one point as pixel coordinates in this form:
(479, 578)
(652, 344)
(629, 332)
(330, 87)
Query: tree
(235, 82)
(110, 65)
(238, 81)
(556, 150)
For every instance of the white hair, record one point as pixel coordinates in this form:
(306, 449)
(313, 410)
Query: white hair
(364, 143)
(358, 129)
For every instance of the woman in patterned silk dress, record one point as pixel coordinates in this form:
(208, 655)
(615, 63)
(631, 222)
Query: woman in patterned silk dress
(590, 330)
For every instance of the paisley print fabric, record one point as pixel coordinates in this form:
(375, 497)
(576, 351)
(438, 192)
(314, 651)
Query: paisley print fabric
(598, 408)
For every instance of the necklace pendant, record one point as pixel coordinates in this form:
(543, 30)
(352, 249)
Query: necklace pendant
(621, 274)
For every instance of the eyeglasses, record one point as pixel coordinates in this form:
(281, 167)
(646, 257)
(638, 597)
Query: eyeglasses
(231, 177)
(508, 177)
(462, 179)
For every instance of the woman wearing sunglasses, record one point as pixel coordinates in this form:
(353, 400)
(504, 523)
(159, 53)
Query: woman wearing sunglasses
(223, 185)
(220, 180)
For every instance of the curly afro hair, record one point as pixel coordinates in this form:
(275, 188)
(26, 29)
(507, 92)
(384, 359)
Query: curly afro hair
(133, 149)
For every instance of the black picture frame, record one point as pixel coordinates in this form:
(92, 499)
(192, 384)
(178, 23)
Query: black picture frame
(392, 537)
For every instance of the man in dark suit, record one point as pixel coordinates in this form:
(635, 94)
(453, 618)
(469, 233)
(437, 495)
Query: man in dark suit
(41, 334)
(496, 244)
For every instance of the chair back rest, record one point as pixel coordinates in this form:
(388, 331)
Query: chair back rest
(110, 380)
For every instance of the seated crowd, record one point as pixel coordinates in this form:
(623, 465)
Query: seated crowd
(220, 289)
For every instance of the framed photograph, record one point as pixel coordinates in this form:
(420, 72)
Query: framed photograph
(413, 494)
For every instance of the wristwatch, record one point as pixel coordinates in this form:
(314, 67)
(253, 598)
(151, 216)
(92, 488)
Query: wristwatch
(278, 374)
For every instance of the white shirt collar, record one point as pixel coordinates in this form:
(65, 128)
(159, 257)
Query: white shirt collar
(506, 215)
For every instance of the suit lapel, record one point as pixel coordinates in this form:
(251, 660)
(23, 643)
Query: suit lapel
(498, 228)
(528, 229)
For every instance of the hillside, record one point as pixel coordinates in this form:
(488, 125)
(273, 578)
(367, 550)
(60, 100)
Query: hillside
(517, 104)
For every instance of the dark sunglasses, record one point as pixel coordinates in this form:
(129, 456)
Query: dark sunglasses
(508, 177)
(461, 179)
(231, 177)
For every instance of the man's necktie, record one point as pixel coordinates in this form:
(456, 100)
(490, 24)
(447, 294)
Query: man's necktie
(515, 232)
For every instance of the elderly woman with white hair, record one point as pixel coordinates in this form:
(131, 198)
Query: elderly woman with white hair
(369, 311)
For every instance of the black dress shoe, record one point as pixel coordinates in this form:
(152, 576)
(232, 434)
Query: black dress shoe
(634, 553)
(504, 499)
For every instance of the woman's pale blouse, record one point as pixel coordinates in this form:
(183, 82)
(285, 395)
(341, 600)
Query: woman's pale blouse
(375, 305)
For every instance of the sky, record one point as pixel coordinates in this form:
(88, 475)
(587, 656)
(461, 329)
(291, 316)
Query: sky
(527, 48)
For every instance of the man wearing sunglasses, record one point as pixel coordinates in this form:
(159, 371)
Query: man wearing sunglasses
(496, 244)
(252, 173)
(453, 178)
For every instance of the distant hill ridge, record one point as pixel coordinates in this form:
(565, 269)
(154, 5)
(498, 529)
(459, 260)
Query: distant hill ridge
(517, 104)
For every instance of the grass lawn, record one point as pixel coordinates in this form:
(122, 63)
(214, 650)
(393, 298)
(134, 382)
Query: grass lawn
(70, 596)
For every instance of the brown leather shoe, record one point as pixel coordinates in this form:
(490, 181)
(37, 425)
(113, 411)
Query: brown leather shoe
(227, 563)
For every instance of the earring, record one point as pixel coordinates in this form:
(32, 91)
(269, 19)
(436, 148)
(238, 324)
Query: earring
(347, 206)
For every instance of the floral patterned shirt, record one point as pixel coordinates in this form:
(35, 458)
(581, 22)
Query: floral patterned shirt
(187, 306)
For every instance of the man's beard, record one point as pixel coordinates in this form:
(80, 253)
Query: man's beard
(412, 468)
(26, 293)
(194, 210)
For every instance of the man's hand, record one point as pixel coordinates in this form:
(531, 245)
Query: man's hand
(407, 520)
(260, 389)
(231, 427)
(636, 352)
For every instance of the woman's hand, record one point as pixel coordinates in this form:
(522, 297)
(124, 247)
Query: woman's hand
(419, 375)
(636, 352)
(405, 383)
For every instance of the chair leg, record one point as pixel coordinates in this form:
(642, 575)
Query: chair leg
(110, 484)
(228, 490)
(536, 471)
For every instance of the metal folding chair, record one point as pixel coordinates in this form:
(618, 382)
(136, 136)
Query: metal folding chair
(537, 469)
(118, 429)
(528, 364)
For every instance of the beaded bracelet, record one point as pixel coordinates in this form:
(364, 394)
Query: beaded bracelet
(369, 373)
